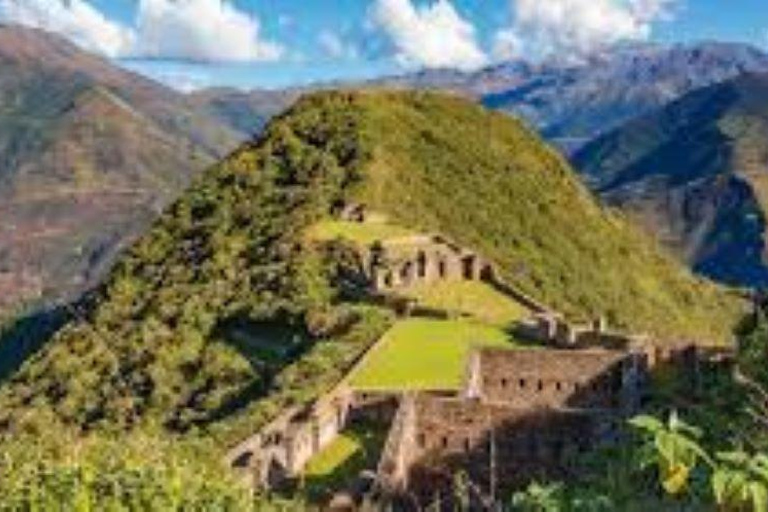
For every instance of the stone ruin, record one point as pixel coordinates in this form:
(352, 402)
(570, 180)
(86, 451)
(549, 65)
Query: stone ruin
(280, 451)
(525, 413)
(401, 263)
(521, 413)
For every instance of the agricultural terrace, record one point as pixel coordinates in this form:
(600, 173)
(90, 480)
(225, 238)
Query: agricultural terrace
(355, 449)
(421, 354)
(475, 299)
(363, 234)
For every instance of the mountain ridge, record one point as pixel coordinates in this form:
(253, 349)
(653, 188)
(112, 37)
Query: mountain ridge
(89, 153)
(694, 173)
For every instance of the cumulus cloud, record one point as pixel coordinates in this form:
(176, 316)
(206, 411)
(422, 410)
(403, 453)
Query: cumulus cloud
(575, 27)
(431, 36)
(76, 20)
(201, 30)
(196, 30)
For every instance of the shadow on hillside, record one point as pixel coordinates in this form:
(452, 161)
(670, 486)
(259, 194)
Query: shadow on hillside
(25, 336)
(269, 346)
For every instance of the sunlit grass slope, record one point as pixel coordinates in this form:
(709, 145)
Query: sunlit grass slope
(472, 298)
(420, 354)
(362, 234)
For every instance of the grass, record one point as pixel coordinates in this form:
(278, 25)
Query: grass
(354, 450)
(363, 234)
(476, 299)
(420, 354)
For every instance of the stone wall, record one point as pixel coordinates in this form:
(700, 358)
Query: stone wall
(522, 414)
(497, 445)
(533, 378)
(280, 450)
(422, 260)
(399, 452)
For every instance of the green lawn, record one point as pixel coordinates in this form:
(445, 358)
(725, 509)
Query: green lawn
(419, 354)
(476, 299)
(354, 450)
(363, 234)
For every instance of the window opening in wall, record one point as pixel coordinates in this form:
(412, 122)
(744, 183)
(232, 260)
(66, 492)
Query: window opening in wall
(540, 385)
(468, 267)
(442, 268)
(421, 265)
(522, 383)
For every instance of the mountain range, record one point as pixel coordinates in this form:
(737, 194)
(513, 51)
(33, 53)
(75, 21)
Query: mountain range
(572, 102)
(91, 153)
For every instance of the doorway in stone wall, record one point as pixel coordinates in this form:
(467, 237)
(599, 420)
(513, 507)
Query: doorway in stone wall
(468, 267)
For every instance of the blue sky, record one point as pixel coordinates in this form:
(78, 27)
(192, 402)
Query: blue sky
(275, 43)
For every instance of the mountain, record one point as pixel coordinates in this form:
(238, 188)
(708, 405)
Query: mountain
(696, 174)
(226, 311)
(89, 154)
(247, 112)
(572, 102)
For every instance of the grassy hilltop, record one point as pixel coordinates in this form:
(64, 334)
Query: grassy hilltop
(220, 315)
(438, 163)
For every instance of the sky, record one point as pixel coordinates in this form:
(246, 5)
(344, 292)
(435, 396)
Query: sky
(191, 44)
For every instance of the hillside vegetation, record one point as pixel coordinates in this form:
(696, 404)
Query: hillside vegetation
(221, 315)
(441, 164)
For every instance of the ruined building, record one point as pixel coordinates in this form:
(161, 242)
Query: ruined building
(521, 413)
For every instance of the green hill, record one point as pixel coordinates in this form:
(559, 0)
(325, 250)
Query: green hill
(221, 314)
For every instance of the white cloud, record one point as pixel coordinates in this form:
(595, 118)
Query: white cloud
(76, 20)
(200, 30)
(507, 45)
(335, 46)
(432, 36)
(197, 30)
(575, 27)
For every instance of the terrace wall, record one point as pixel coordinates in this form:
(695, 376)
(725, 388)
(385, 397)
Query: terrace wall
(535, 378)
(496, 445)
